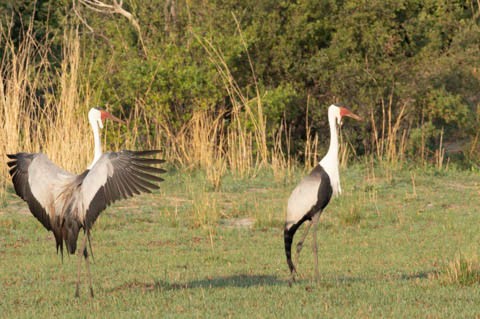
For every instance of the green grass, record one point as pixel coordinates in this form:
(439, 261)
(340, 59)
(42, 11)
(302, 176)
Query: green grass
(386, 249)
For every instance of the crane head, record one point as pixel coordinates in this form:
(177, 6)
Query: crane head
(97, 115)
(339, 111)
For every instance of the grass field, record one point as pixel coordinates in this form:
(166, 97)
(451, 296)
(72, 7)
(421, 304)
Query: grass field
(403, 244)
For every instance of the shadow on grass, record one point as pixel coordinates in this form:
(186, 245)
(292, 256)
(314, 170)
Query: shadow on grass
(246, 281)
(420, 275)
(335, 280)
(240, 281)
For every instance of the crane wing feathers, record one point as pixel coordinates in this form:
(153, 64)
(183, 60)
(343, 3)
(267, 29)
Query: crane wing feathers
(19, 171)
(118, 175)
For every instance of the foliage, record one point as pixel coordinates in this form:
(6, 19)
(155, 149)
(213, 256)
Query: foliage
(365, 54)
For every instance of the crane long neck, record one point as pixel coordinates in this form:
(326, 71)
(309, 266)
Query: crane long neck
(333, 148)
(330, 161)
(98, 144)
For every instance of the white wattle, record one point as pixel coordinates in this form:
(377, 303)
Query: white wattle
(98, 144)
(330, 161)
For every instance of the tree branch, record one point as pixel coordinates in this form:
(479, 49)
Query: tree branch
(115, 8)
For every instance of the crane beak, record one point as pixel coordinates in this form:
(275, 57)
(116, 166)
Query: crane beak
(346, 112)
(106, 115)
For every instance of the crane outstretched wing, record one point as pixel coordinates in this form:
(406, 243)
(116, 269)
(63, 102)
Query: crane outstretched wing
(19, 165)
(37, 180)
(118, 175)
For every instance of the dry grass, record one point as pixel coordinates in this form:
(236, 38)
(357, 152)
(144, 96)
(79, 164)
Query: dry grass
(221, 140)
(389, 140)
(246, 137)
(54, 121)
(351, 217)
(281, 161)
(43, 109)
(311, 143)
(440, 154)
(51, 124)
(462, 270)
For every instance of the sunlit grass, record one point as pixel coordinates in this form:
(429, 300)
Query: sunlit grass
(192, 251)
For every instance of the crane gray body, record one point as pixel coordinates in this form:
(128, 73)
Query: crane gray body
(307, 200)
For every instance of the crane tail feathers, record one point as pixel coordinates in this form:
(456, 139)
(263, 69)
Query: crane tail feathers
(288, 234)
(71, 236)
(60, 248)
(59, 242)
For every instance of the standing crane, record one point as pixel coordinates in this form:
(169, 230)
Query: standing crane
(65, 203)
(313, 193)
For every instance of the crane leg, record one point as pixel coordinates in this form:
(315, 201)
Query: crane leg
(90, 245)
(87, 263)
(81, 253)
(302, 239)
(315, 221)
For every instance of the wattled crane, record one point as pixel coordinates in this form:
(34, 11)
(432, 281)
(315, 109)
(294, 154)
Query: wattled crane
(65, 203)
(309, 198)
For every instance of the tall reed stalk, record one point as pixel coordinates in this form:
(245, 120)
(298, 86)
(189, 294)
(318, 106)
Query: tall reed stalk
(390, 138)
(41, 110)
(246, 134)
(68, 138)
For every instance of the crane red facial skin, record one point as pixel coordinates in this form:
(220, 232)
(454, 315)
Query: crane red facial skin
(106, 115)
(346, 112)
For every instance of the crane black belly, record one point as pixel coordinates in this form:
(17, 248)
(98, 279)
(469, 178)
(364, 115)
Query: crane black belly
(324, 193)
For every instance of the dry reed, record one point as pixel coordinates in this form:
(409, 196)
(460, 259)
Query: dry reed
(41, 109)
(31, 123)
(389, 141)
(213, 140)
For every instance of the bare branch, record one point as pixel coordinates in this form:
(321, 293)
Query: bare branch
(115, 8)
(79, 16)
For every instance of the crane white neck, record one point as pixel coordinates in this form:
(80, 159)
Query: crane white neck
(330, 161)
(97, 141)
